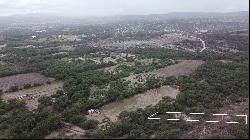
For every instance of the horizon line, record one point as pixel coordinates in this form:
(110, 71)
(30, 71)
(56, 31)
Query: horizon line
(118, 15)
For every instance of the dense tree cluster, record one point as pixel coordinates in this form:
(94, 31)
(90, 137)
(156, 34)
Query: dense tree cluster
(6, 70)
(16, 122)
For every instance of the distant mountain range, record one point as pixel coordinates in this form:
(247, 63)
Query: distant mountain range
(47, 19)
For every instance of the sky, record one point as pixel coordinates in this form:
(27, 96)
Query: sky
(117, 7)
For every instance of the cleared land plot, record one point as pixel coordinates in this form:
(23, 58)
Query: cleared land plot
(137, 78)
(21, 79)
(113, 68)
(226, 61)
(151, 97)
(67, 48)
(183, 67)
(32, 95)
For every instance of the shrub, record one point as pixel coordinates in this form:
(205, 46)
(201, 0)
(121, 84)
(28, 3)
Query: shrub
(90, 124)
(37, 84)
(13, 89)
(26, 86)
(48, 82)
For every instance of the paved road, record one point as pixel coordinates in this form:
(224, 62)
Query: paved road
(203, 45)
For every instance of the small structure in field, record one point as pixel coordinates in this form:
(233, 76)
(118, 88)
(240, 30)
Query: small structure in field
(93, 111)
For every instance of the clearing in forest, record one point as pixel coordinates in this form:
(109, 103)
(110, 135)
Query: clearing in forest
(150, 97)
(21, 79)
(31, 96)
(183, 67)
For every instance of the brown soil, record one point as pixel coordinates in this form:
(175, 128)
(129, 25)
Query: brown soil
(226, 61)
(21, 79)
(151, 97)
(184, 67)
(32, 95)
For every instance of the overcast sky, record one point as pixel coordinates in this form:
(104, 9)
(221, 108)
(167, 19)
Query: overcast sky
(118, 7)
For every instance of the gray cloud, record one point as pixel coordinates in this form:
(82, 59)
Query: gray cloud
(118, 7)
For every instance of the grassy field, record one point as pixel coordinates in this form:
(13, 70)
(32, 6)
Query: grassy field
(151, 97)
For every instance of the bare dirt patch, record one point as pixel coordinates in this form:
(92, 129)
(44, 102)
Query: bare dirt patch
(113, 68)
(184, 67)
(67, 48)
(137, 78)
(226, 61)
(32, 95)
(21, 79)
(151, 97)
